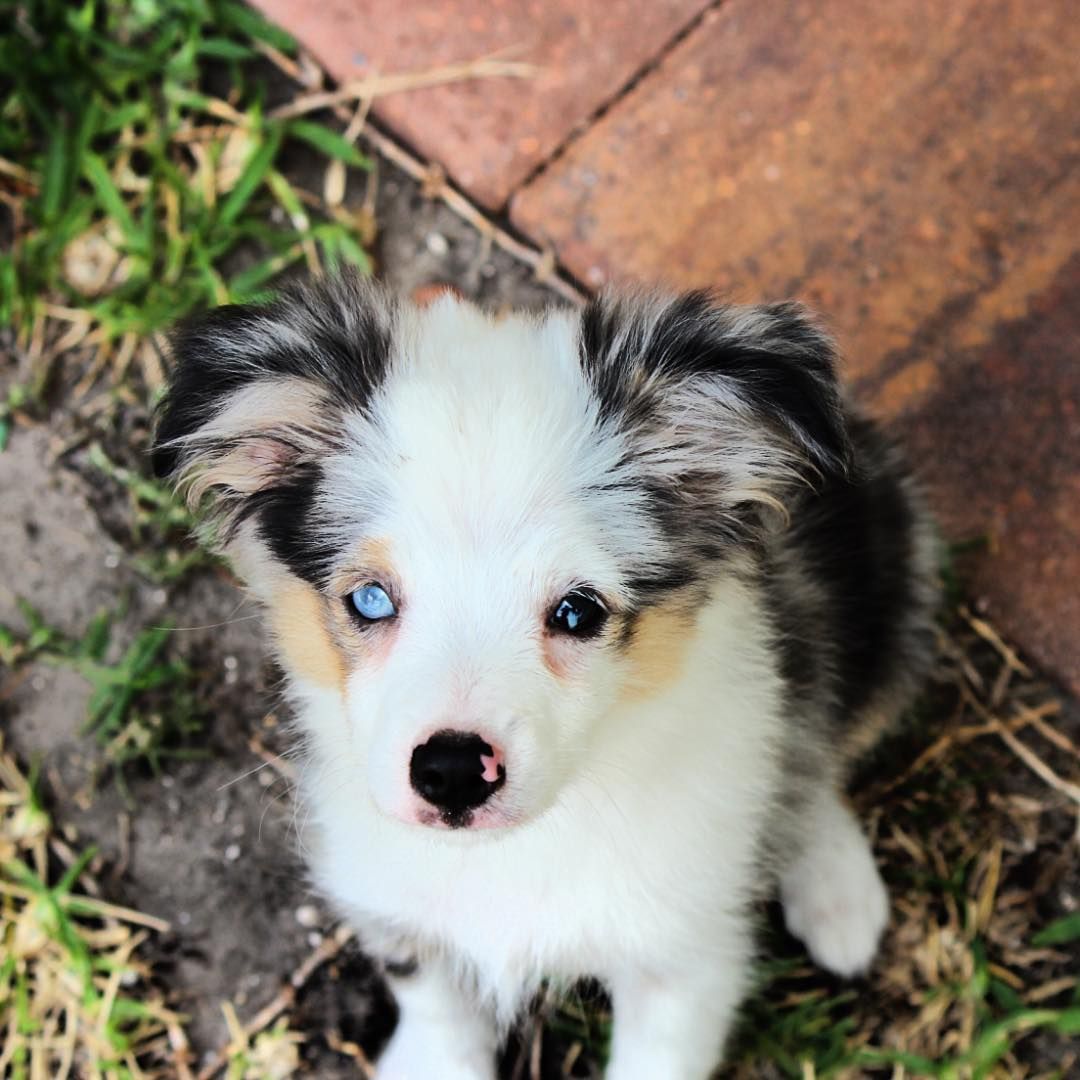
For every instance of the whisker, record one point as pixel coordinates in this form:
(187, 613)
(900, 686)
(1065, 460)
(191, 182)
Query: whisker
(213, 626)
(243, 775)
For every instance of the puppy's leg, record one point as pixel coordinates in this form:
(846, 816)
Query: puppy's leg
(442, 1031)
(834, 900)
(674, 1025)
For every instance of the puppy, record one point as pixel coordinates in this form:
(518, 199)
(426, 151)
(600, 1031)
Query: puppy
(584, 616)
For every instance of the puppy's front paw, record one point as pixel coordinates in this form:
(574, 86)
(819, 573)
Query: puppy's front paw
(421, 1053)
(835, 902)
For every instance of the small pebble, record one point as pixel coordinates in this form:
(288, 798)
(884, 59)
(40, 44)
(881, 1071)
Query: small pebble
(38, 683)
(112, 561)
(307, 915)
(437, 244)
(231, 663)
(314, 939)
(159, 597)
(184, 918)
(232, 852)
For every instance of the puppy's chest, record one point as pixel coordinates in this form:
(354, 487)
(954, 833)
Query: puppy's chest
(552, 921)
(574, 896)
(509, 912)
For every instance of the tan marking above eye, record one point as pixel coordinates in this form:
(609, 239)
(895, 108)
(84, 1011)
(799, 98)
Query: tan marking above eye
(374, 551)
(370, 561)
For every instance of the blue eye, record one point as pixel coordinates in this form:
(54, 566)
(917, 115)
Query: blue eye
(372, 602)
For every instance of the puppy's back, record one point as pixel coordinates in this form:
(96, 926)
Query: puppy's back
(852, 585)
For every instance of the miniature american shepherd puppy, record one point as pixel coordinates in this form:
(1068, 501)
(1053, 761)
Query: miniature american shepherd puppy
(585, 616)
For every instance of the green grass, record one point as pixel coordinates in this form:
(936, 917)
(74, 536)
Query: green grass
(15, 398)
(787, 1022)
(818, 1028)
(74, 996)
(160, 526)
(142, 707)
(128, 163)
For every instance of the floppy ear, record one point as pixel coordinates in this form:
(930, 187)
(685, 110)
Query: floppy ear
(254, 404)
(765, 375)
(719, 415)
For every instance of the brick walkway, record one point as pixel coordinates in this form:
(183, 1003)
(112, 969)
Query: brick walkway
(910, 168)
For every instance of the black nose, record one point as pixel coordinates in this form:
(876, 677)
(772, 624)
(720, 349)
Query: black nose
(449, 773)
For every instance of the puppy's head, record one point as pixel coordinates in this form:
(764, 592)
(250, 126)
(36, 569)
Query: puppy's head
(479, 535)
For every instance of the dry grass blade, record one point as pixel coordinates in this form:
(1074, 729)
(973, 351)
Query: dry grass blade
(11, 168)
(335, 176)
(75, 998)
(977, 976)
(383, 85)
(989, 634)
(1036, 764)
(92, 907)
(242, 1035)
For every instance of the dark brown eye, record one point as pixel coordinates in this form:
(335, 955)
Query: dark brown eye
(580, 613)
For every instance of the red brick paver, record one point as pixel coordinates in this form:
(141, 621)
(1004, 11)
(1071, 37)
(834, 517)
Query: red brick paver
(999, 442)
(876, 159)
(910, 169)
(489, 134)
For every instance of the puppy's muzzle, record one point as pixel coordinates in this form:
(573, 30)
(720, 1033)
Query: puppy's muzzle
(456, 772)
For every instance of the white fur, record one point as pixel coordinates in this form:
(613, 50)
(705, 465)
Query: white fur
(833, 896)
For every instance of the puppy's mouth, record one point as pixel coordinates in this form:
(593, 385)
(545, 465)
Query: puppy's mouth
(474, 820)
(450, 819)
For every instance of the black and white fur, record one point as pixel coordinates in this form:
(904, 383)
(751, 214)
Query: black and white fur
(764, 575)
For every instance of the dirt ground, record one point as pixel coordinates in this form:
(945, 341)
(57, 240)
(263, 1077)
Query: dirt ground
(214, 844)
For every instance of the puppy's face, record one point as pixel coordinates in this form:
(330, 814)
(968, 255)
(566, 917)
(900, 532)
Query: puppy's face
(481, 535)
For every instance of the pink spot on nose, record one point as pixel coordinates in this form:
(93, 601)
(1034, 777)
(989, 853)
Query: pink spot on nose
(494, 765)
